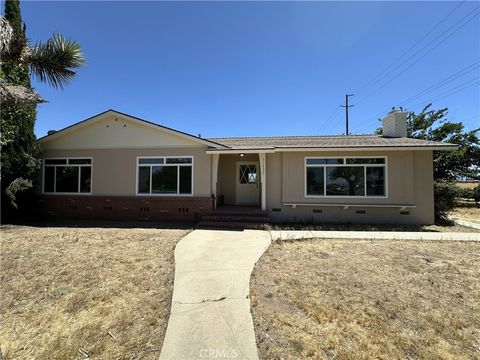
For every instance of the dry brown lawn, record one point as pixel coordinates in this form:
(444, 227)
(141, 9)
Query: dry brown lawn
(341, 299)
(73, 293)
(467, 212)
(373, 227)
(467, 184)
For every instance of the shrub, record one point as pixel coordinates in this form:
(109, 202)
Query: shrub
(476, 194)
(444, 194)
(464, 192)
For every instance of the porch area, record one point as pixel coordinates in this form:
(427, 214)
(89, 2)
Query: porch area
(235, 217)
(239, 190)
(239, 179)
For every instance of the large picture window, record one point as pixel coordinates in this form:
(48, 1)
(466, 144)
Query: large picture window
(346, 176)
(67, 175)
(165, 175)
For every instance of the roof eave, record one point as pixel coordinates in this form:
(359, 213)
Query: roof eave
(447, 147)
(241, 150)
(99, 116)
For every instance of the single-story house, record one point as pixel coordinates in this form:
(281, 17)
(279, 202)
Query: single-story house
(117, 166)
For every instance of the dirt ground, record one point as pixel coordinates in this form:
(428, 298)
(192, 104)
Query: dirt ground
(467, 184)
(73, 293)
(467, 211)
(343, 299)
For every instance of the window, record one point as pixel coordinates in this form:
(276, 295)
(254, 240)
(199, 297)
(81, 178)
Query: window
(165, 175)
(352, 177)
(345, 181)
(68, 176)
(248, 174)
(324, 161)
(375, 181)
(315, 180)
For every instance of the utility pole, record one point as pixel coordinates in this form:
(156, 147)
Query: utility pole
(346, 106)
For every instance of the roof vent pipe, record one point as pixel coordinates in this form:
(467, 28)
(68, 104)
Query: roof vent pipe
(395, 124)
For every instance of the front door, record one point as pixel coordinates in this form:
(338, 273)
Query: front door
(248, 190)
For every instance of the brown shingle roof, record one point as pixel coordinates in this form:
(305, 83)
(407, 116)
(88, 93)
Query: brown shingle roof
(341, 141)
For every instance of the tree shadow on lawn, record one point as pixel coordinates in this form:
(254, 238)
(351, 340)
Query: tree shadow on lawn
(450, 227)
(71, 223)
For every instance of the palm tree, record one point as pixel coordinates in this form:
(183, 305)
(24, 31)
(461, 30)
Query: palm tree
(53, 62)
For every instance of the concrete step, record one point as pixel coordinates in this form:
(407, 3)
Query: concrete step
(230, 225)
(237, 218)
(258, 213)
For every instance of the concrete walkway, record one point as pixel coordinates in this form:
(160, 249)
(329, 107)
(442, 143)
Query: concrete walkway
(210, 315)
(373, 235)
(467, 223)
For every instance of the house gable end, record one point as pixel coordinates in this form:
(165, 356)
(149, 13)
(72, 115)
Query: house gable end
(111, 129)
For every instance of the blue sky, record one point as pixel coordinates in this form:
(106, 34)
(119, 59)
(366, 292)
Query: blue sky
(260, 68)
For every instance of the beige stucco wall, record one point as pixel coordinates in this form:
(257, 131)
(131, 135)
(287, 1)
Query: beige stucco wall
(114, 170)
(115, 131)
(423, 186)
(409, 182)
(409, 174)
(399, 175)
(274, 180)
(227, 173)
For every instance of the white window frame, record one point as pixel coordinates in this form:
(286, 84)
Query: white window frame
(365, 196)
(67, 158)
(164, 164)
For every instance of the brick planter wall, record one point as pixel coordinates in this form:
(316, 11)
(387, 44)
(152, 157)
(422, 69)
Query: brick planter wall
(175, 208)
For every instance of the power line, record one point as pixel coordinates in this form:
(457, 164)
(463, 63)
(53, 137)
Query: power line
(373, 81)
(420, 58)
(471, 15)
(437, 41)
(327, 124)
(449, 92)
(470, 117)
(452, 91)
(368, 123)
(455, 76)
(331, 115)
(332, 121)
(439, 84)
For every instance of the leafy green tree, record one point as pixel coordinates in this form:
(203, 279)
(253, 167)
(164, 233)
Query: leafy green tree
(53, 62)
(433, 125)
(19, 158)
(448, 166)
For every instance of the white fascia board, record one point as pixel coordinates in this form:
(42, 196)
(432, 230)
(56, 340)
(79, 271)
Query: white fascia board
(241, 151)
(96, 118)
(74, 127)
(332, 149)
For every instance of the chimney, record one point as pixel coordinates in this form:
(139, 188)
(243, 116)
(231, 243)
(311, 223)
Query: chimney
(395, 124)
